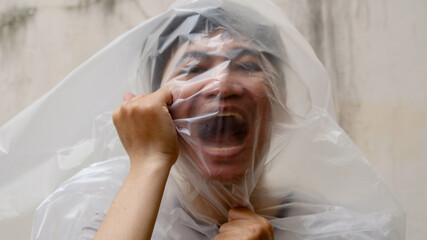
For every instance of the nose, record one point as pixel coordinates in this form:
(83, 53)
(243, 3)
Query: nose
(223, 83)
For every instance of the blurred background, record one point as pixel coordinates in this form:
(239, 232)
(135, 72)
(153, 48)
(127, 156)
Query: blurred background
(374, 50)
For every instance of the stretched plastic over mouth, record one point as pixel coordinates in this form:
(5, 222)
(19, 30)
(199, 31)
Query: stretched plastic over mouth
(252, 107)
(214, 78)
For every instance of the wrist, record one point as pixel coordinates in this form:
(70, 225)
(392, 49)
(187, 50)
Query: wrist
(154, 163)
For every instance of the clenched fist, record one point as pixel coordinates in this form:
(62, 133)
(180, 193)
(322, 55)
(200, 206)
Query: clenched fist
(146, 129)
(245, 224)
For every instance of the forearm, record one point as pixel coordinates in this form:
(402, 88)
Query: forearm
(134, 210)
(147, 132)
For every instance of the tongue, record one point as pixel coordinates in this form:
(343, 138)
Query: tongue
(223, 131)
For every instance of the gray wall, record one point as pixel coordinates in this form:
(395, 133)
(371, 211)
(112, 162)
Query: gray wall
(374, 50)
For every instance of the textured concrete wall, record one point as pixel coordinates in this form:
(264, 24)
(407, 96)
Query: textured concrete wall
(375, 52)
(376, 56)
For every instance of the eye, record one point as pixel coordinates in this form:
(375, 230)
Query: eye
(246, 67)
(192, 70)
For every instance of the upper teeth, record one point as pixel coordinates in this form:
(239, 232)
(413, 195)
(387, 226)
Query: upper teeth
(238, 117)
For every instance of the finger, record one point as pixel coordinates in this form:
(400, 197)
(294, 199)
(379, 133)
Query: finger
(234, 234)
(164, 95)
(128, 96)
(232, 226)
(240, 213)
(230, 235)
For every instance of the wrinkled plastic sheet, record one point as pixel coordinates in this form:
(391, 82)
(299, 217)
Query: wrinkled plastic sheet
(253, 110)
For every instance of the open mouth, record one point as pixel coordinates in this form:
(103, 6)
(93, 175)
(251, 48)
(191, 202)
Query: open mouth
(223, 132)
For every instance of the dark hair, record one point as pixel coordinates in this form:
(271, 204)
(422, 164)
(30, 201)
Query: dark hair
(240, 23)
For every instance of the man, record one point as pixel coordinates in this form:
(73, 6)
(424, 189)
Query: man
(237, 129)
(209, 84)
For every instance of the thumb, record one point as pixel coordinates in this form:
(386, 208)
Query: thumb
(128, 96)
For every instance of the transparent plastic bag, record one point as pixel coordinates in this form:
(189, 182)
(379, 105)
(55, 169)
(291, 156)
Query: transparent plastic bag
(252, 108)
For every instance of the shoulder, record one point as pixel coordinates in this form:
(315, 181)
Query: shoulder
(77, 207)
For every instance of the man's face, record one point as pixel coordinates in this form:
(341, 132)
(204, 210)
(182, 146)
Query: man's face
(220, 107)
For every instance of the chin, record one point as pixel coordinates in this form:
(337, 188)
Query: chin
(226, 176)
(225, 171)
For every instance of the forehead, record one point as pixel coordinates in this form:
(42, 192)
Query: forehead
(216, 44)
(208, 48)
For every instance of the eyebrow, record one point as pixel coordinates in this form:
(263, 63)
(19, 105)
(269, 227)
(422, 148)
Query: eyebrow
(201, 55)
(233, 54)
(243, 51)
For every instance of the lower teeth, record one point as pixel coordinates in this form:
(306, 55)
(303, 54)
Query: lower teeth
(223, 149)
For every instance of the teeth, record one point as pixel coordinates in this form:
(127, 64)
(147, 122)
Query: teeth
(238, 117)
(223, 149)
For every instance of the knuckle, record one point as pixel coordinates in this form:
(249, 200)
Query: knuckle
(116, 116)
(129, 109)
(124, 108)
(267, 224)
(149, 107)
(261, 229)
(257, 229)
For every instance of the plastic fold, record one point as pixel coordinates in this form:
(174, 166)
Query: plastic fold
(252, 106)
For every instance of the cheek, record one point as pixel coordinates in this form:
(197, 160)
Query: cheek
(185, 94)
(260, 95)
(255, 86)
(183, 90)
